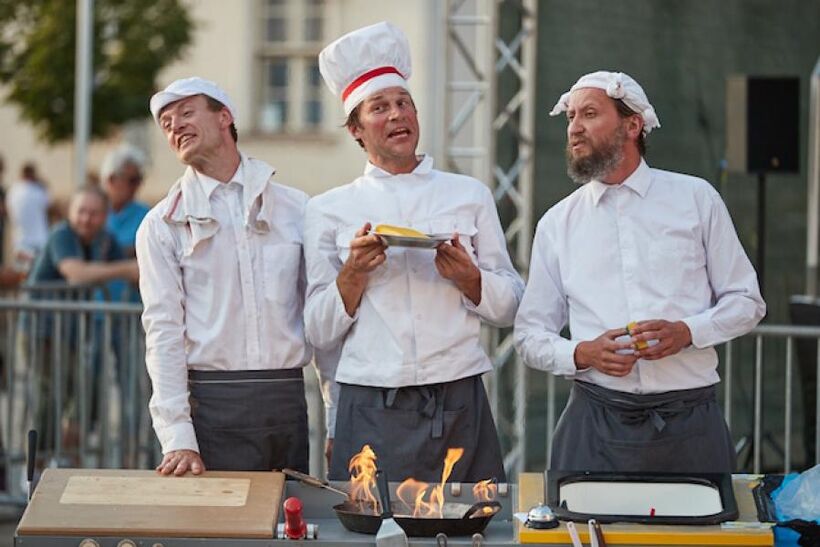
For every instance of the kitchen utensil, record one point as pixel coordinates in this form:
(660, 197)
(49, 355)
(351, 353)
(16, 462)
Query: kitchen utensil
(541, 517)
(430, 242)
(460, 519)
(573, 535)
(596, 532)
(390, 534)
(593, 536)
(31, 456)
(680, 498)
(313, 481)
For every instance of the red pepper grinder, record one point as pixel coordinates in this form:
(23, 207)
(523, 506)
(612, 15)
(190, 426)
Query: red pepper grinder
(295, 527)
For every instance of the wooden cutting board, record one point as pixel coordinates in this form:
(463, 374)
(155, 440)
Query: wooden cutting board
(743, 532)
(116, 502)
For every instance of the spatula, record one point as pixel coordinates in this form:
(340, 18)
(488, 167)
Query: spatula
(390, 534)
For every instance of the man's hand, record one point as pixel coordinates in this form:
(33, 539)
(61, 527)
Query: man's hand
(453, 263)
(600, 354)
(671, 336)
(180, 461)
(366, 254)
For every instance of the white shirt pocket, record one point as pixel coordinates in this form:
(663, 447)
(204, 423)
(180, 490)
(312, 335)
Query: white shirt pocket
(281, 264)
(674, 264)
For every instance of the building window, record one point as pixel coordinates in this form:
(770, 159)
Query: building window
(291, 96)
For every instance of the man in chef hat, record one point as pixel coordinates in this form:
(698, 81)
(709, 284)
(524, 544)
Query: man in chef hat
(407, 319)
(634, 244)
(221, 278)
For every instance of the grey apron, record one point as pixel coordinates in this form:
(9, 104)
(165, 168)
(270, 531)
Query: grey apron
(253, 420)
(678, 432)
(411, 428)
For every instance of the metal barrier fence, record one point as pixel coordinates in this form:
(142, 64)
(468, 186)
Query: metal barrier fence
(75, 370)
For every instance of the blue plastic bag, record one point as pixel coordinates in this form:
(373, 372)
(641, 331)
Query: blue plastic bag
(797, 497)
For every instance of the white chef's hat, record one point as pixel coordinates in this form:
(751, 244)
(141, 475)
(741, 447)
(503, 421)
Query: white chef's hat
(365, 61)
(187, 87)
(618, 86)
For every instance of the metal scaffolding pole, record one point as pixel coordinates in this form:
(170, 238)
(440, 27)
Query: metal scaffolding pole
(478, 57)
(82, 88)
(813, 224)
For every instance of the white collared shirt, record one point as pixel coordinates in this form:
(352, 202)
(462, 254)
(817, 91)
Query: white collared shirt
(222, 281)
(27, 203)
(413, 327)
(659, 246)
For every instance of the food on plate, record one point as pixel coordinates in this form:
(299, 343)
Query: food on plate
(390, 230)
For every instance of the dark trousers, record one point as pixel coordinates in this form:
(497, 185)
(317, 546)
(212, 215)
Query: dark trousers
(250, 420)
(677, 432)
(411, 428)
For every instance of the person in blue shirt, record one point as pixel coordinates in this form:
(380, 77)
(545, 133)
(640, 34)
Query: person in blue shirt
(80, 250)
(121, 175)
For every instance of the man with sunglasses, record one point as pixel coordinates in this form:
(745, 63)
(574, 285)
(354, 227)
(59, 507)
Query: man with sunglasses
(121, 176)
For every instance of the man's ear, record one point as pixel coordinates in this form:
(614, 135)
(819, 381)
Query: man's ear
(634, 126)
(225, 117)
(355, 131)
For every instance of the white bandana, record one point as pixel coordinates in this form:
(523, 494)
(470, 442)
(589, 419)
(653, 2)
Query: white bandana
(618, 86)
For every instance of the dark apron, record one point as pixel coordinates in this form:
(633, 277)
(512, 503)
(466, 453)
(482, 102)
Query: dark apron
(678, 432)
(253, 420)
(411, 428)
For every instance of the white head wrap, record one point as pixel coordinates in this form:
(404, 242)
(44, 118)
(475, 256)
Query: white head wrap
(365, 61)
(618, 86)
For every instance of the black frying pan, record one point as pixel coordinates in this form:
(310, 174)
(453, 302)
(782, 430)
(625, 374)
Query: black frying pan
(475, 518)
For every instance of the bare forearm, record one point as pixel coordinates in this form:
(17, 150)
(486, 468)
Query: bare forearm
(351, 288)
(78, 272)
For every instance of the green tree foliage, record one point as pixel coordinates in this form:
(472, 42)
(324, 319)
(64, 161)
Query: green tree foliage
(133, 40)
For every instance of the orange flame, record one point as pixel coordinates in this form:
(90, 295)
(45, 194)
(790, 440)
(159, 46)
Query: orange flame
(362, 469)
(434, 506)
(485, 490)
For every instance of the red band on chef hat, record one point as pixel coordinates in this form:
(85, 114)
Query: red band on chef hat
(369, 75)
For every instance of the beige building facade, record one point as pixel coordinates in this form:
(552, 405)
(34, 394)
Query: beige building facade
(264, 54)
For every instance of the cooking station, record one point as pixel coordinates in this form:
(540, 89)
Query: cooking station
(119, 508)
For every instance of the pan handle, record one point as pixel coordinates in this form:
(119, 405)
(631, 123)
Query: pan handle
(384, 493)
(482, 509)
(312, 481)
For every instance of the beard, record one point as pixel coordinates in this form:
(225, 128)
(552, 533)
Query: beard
(601, 160)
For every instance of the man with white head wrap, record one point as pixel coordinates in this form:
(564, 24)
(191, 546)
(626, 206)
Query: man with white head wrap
(407, 319)
(222, 281)
(646, 269)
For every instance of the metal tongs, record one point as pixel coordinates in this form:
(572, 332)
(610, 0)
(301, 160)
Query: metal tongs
(596, 535)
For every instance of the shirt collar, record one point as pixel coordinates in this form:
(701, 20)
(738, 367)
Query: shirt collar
(639, 182)
(210, 184)
(423, 168)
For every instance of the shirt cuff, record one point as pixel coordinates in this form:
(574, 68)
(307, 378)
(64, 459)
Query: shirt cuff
(178, 437)
(701, 329)
(564, 357)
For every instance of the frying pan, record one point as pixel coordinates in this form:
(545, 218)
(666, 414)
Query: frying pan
(466, 520)
(461, 519)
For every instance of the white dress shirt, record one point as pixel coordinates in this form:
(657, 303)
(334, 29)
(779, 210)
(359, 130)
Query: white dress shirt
(413, 327)
(222, 281)
(659, 246)
(27, 204)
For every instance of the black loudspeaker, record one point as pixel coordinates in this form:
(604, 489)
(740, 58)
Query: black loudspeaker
(762, 124)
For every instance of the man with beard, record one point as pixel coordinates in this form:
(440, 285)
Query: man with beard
(407, 319)
(634, 245)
